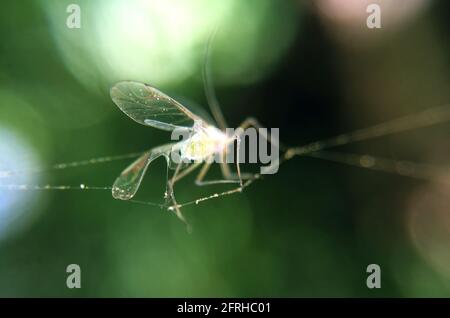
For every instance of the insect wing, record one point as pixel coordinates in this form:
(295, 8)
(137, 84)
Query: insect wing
(127, 184)
(148, 106)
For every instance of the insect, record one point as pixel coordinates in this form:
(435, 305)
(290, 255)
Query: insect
(148, 106)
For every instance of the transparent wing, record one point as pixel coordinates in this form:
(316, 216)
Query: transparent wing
(197, 110)
(148, 106)
(127, 184)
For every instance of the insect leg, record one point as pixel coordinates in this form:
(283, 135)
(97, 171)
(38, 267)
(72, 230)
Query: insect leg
(186, 172)
(199, 180)
(253, 122)
(218, 195)
(249, 122)
(170, 195)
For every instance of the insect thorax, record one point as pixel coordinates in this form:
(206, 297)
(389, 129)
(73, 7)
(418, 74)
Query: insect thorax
(204, 143)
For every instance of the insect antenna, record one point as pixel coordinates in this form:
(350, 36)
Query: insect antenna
(66, 165)
(426, 118)
(208, 84)
(398, 167)
(30, 187)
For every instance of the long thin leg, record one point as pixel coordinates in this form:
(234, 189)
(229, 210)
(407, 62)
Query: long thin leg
(177, 176)
(218, 195)
(249, 122)
(199, 180)
(253, 122)
(224, 166)
(204, 171)
(186, 172)
(170, 192)
(175, 207)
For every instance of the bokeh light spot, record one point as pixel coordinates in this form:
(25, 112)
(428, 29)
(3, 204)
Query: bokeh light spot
(429, 226)
(15, 155)
(162, 41)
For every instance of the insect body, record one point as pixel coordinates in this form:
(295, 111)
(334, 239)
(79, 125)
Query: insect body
(204, 143)
(148, 106)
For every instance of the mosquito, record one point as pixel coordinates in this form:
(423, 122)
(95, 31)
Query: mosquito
(148, 106)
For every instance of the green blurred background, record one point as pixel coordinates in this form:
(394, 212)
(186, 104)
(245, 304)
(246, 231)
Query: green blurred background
(313, 69)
